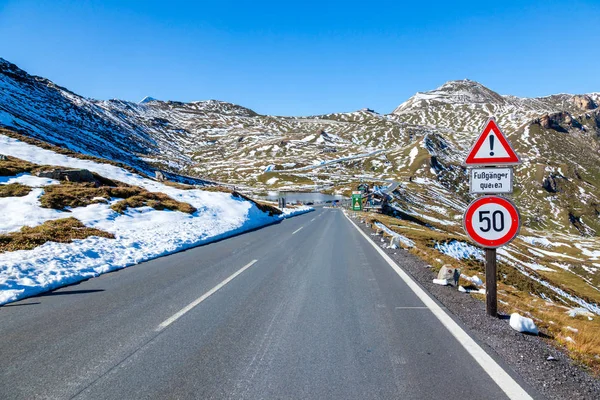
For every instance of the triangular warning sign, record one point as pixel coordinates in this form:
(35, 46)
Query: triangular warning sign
(492, 148)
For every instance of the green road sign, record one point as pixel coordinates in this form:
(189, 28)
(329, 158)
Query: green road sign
(356, 202)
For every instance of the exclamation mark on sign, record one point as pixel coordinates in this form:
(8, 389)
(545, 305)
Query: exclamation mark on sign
(492, 145)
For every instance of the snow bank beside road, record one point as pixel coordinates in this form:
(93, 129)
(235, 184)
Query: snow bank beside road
(141, 233)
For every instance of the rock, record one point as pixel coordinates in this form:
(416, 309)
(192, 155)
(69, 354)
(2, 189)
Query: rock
(159, 176)
(65, 174)
(449, 273)
(463, 290)
(476, 280)
(550, 358)
(553, 182)
(522, 324)
(584, 102)
(560, 121)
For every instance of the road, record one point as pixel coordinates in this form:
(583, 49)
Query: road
(304, 309)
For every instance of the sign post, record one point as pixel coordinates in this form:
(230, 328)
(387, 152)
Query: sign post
(491, 221)
(356, 201)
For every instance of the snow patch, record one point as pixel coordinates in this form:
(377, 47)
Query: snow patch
(523, 324)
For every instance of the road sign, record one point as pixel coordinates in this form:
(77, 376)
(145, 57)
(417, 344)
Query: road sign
(492, 148)
(356, 201)
(491, 221)
(491, 180)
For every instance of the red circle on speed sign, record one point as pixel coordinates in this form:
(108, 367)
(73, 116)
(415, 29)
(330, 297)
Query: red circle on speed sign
(492, 221)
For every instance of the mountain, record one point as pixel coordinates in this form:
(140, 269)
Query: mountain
(551, 269)
(425, 138)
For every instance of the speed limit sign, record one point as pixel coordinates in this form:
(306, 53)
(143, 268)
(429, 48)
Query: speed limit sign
(492, 221)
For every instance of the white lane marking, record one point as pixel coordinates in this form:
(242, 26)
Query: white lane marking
(312, 220)
(411, 308)
(200, 299)
(297, 230)
(510, 387)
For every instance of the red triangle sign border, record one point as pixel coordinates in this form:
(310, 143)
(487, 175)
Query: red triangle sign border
(511, 159)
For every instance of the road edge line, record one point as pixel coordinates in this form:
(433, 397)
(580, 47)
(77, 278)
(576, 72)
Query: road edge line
(200, 299)
(506, 383)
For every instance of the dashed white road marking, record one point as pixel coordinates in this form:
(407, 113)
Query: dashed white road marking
(200, 299)
(508, 385)
(297, 230)
(312, 220)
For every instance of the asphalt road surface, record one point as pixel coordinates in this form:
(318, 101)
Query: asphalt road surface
(304, 309)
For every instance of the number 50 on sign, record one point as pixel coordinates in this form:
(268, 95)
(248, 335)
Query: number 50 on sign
(492, 221)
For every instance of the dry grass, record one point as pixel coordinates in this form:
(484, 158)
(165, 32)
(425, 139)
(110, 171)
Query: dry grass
(264, 207)
(61, 150)
(69, 194)
(14, 190)
(177, 185)
(61, 230)
(552, 319)
(14, 166)
(221, 189)
(158, 201)
(517, 293)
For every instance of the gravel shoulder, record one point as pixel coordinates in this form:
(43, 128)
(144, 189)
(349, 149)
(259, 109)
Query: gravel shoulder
(527, 355)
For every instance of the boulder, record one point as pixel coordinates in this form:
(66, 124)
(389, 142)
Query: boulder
(68, 174)
(584, 102)
(522, 324)
(159, 176)
(449, 273)
(561, 121)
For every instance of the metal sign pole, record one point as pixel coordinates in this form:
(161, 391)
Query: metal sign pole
(491, 294)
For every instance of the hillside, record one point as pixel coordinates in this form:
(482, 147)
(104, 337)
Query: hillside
(427, 136)
(421, 146)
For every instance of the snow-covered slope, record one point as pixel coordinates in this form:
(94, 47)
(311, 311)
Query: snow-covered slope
(427, 136)
(140, 233)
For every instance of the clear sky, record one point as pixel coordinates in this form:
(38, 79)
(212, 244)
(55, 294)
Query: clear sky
(303, 57)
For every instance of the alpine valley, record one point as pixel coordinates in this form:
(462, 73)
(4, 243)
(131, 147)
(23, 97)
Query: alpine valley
(420, 147)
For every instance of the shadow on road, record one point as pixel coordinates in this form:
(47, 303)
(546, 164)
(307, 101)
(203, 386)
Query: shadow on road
(66, 292)
(19, 305)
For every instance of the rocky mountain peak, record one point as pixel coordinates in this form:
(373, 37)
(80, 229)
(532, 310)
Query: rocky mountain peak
(453, 92)
(147, 99)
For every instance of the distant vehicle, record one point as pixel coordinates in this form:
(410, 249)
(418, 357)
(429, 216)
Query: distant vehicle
(309, 203)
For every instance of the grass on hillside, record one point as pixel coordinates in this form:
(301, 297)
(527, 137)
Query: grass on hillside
(158, 201)
(61, 150)
(61, 230)
(517, 293)
(14, 190)
(70, 194)
(264, 207)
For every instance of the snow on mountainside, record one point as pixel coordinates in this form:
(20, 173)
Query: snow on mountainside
(140, 233)
(425, 138)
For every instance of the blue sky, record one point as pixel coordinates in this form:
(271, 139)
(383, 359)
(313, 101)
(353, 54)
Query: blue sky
(305, 57)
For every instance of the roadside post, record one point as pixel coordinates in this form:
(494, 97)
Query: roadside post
(356, 201)
(491, 221)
